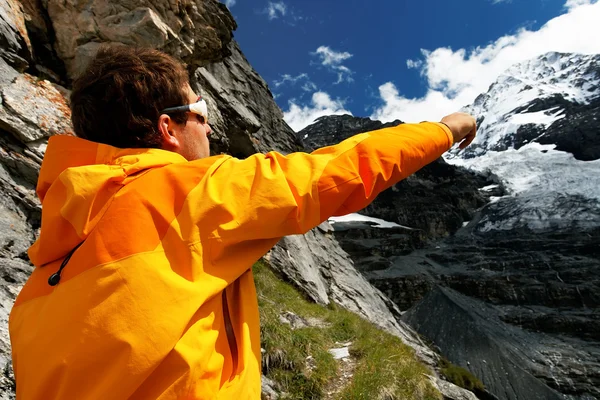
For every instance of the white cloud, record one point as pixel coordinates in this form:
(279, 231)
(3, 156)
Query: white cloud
(333, 61)
(229, 3)
(455, 78)
(575, 3)
(307, 86)
(414, 64)
(332, 57)
(276, 9)
(285, 78)
(298, 117)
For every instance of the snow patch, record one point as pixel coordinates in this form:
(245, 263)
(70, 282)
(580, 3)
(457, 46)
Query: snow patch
(379, 223)
(546, 187)
(545, 118)
(488, 188)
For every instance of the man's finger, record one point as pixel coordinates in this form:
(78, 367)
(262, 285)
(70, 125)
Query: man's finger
(467, 140)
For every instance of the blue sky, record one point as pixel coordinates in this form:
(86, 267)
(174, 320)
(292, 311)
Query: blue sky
(412, 60)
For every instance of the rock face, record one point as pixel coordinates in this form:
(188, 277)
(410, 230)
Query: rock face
(196, 32)
(15, 46)
(495, 352)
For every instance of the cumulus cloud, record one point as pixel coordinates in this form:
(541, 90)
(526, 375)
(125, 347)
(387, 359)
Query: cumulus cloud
(229, 3)
(333, 61)
(298, 117)
(456, 77)
(276, 9)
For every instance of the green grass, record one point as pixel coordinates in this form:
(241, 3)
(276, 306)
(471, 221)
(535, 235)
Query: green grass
(460, 376)
(385, 367)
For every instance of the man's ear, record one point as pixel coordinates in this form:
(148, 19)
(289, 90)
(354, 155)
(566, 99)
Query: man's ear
(167, 132)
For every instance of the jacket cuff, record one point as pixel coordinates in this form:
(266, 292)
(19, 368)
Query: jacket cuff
(446, 130)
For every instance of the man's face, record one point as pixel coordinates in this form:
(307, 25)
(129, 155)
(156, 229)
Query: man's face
(193, 136)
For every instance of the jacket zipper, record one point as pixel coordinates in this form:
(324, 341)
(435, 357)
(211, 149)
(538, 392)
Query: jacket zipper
(230, 335)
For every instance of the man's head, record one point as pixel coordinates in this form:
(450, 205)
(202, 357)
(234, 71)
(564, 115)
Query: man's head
(120, 97)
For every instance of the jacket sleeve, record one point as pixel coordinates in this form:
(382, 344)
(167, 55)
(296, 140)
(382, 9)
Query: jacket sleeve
(273, 195)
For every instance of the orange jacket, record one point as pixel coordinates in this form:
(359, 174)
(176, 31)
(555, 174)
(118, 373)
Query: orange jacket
(159, 300)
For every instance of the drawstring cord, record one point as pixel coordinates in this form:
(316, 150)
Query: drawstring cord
(55, 277)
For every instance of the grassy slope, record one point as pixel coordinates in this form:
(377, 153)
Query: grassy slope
(383, 366)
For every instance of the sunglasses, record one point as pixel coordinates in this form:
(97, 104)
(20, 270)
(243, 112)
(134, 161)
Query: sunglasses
(199, 108)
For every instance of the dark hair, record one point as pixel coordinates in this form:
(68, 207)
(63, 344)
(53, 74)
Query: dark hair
(118, 99)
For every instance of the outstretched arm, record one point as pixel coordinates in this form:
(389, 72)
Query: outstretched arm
(273, 195)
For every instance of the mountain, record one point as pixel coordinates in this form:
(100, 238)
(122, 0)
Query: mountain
(553, 99)
(538, 130)
(500, 266)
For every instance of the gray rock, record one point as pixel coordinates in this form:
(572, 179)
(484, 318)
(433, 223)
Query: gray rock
(196, 32)
(340, 353)
(7, 74)
(15, 46)
(509, 361)
(450, 391)
(268, 389)
(295, 321)
(141, 26)
(32, 109)
(17, 232)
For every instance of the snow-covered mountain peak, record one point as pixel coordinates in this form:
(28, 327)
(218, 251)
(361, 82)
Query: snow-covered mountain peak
(537, 91)
(573, 75)
(539, 131)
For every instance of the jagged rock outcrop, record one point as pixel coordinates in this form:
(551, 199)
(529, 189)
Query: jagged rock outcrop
(15, 46)
(196, 32)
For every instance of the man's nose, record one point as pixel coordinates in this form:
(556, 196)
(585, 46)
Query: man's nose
(208, 129)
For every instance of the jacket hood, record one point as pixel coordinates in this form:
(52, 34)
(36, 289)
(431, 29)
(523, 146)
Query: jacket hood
(78, 180)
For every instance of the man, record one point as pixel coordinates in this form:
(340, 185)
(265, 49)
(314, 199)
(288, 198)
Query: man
(143, 286)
